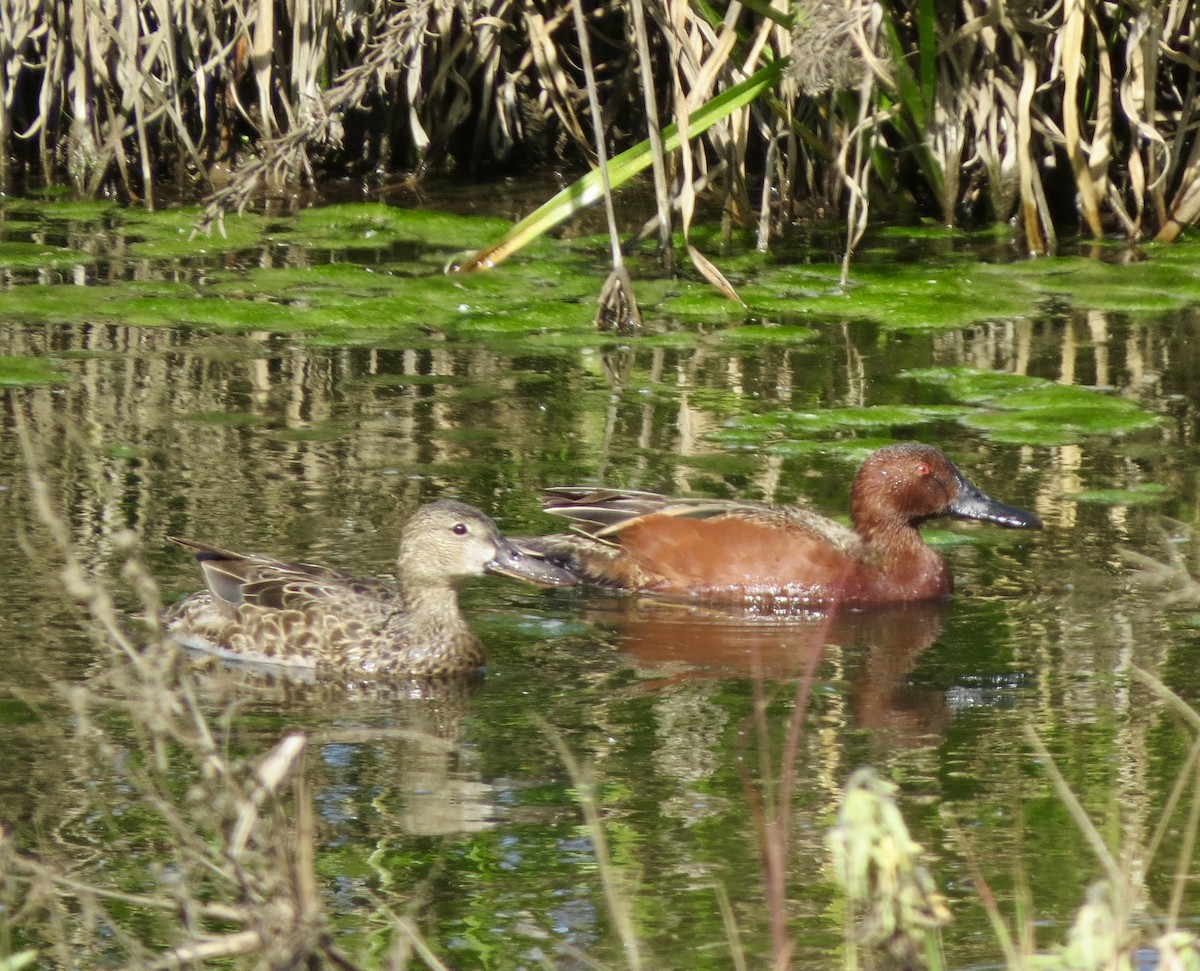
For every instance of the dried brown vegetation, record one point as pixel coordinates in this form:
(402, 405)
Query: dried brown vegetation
(228, 838)
(1078, 114)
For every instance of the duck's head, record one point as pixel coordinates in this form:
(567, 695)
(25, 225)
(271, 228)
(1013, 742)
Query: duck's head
(910, 483)
(448, 540)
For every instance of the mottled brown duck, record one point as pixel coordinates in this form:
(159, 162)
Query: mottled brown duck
(262, 610)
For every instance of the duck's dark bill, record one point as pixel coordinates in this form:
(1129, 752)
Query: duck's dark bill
(512, 561)
(971, 503)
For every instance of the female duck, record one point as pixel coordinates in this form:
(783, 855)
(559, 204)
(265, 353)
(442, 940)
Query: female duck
(260, 609)
(777, 556)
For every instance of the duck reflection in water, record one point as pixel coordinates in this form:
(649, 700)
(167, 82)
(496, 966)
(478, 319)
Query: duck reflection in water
(675, 644)
(387, 750)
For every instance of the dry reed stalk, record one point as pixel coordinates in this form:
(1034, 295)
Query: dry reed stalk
(970, 102)
(1070, 56)
(769, 799)
(615, 897)
(662, 194)
(860, 141)
(617, 309)
(237, 834)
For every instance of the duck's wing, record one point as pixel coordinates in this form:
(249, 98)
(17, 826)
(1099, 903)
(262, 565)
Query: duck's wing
(605, 513)
(235, 579)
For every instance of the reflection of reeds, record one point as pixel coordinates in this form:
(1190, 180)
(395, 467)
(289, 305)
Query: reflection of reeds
(234, 835)
(894, 909)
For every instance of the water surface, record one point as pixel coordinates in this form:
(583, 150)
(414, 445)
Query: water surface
(266, 440)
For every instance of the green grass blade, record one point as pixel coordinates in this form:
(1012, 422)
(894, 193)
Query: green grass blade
(621, 168)
(764, 9)
(927, 50)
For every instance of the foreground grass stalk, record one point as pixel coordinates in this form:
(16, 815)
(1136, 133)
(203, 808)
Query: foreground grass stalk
(587, 794)
(237, 834)
(1073, 806)
(1014, 955)
(894, 905)
(770, 802)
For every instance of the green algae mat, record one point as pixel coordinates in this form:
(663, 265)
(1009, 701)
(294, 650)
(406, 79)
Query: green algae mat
(358, 269)
(374, 275)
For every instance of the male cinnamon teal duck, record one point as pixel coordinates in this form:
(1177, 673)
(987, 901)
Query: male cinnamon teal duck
(263, 610)
(777, 556)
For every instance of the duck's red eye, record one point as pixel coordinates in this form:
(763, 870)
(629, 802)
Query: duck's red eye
(923, 469)
(460, 529)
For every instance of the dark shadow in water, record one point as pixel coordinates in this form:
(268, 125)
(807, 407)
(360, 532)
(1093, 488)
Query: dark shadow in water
(682, 642)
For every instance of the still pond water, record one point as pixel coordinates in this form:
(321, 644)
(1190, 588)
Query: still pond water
(316, 445)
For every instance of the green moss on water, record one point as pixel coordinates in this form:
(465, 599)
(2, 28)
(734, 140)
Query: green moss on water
(318, 433)
(1034, 411)
(934, 232)
(1143, 494)
(550, 291)
(1066, 412)
(850, 450)
(1140, 287)
(337, 282)
(972, 385)
(901, 296)
(554, 273)
(60, 303)
(37, 256)
(71, 210)
(569, 340)
(50, 304)
(1008, 408)
(831, 420)
(19, 230)
(17, 372)
(522, 317)
(751, 334)
(1020, 428)
(701, 303)
(473, 435)
(1060, 424)
(171, 234)
(214, 313)
(374, 225)
(954, 289)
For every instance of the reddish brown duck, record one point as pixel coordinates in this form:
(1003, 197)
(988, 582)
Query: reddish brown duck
(263, 610)
(777, 556)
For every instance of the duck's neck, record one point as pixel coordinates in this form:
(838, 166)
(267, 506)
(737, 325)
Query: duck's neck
(431, 602)
(891, 534)
(899, 560)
